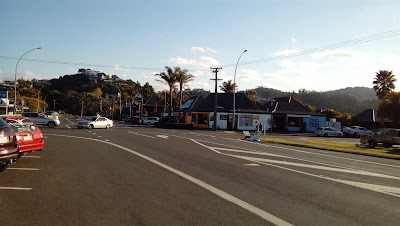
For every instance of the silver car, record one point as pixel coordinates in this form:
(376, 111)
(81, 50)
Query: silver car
(41, 119)
(328, 132)
(95, 122)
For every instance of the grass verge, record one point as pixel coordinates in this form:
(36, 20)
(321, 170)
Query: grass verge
(391, 153)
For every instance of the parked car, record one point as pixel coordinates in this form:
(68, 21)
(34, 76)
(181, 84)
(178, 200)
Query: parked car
(95, 122)
(136, 119)
(328, 132)
(126, 118)
(41, 119)
(9, 149)
(150, 120)
(356, 131)
(28, 134)
(386, 136)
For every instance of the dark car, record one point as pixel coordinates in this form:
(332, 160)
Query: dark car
(28, 134)
(9, 148)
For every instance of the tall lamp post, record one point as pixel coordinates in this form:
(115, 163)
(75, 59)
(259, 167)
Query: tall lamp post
(15, 80)
(82, 105)
(120, 109)
(37, 110)
(234, 92)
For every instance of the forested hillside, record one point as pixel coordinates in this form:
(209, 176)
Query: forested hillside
(349, 100)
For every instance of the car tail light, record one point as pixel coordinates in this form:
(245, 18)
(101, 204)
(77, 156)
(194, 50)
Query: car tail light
(7, 136)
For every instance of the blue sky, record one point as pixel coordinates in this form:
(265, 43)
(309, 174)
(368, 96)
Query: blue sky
(199, 34)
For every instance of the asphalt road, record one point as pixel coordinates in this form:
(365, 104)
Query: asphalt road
(143, 175)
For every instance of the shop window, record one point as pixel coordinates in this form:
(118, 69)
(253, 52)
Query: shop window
(202, 119)
(295, 122)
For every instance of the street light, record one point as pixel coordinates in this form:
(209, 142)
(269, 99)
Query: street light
(37, 110)
(234, 92)
(44, 105)
(15, 79)
(82, 104)
(119, 95)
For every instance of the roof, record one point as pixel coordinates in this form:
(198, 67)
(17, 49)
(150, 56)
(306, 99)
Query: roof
(192, 103)
(152, 101)
(225, 103)
(370, 115)
(288, 105)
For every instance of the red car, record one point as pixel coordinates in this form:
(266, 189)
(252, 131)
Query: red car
(8, 146)
(28, 134)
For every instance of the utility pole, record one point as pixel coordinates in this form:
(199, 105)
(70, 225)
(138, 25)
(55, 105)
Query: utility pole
(215, 70)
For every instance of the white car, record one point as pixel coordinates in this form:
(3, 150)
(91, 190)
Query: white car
(150, 120)
(356, 131)
(328, 132)
(95, 122)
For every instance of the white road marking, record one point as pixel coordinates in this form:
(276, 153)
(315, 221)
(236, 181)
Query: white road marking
(296, 150)
(68, 126)
(29, 169)
(393, 191)
(163, 136)
(98, 136)
(261, 213)
(107, 140)
(31, 156)
(140, 134)
(94, 133)
(69, 121)
(15, 188)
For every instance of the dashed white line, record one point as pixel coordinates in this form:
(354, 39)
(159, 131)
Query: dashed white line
(31, 156)
(69, 127)
(15, 188)
(98, 136)
(29, 169)
(140, 134)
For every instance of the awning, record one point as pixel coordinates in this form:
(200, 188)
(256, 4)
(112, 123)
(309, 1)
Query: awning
(299, 116)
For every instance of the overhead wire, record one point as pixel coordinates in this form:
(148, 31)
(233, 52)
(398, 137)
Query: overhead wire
(356, 41)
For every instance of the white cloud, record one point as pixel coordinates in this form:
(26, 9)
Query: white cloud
(119, 68)
(293, 40)
(339, 53)
(196, 49)
(205, 61)
(287, 52)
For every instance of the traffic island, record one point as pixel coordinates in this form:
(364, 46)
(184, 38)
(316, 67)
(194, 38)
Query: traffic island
(391, 153)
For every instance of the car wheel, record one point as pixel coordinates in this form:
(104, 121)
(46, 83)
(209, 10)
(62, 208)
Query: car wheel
(3, 167)
(148, 123)
(325, 135)
(91, 126)
(107, 126)
(79, 127)
(387, 145)
(339, 135)
(51, 124)
(355, 134)
(371, 144)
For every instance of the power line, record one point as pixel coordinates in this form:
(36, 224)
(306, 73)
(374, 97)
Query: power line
(357, 41)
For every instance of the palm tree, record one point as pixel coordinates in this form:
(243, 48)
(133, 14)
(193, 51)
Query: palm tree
(390, 107)
(170, 79)
(182, 77)
(384, 83)
(228, 87)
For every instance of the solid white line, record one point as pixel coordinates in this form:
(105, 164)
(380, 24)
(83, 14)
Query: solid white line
(69, 121)
(29, 169)
(261, 213)
(140, 134)
(31, 156)
(15, 188)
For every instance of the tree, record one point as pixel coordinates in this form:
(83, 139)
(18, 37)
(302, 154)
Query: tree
(390, 107)
(384, 83)
(251, 94)
(228, 87)
(170, 79)
(182, 77)
(97, 92)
